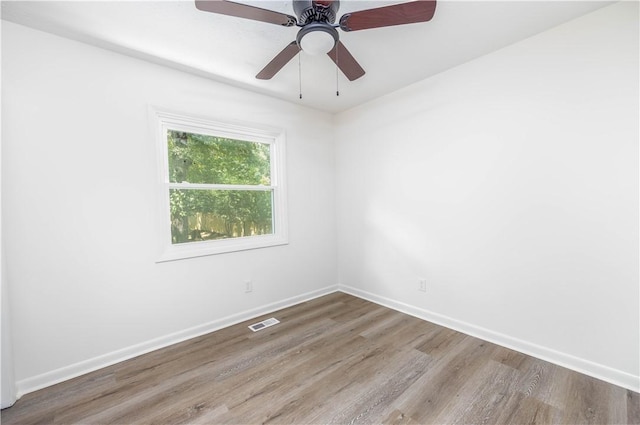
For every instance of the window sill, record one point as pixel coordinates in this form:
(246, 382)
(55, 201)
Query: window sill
(205, 248)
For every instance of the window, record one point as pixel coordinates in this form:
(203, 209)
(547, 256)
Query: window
(222, 186)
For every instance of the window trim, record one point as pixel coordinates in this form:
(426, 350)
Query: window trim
(163, 118)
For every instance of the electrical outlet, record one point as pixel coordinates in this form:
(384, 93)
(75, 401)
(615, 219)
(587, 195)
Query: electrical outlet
(248, 286)
(422, 285)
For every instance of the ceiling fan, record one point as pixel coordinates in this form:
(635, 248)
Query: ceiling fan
(318, 33)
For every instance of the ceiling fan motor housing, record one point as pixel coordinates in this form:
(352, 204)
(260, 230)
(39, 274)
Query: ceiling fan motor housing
(309, 11)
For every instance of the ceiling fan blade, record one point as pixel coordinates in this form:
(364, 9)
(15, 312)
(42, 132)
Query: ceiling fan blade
(279, 61)
(346, 62)
(397, 14)
(239, 10)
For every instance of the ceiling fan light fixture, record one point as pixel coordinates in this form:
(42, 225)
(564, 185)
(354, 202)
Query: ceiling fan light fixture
(317, 38)
(317, 43)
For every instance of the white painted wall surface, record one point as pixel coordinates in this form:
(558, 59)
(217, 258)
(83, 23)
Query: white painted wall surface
(79, 194)
(7, 380)
(511, 184)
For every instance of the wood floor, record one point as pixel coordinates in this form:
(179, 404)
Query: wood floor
(336, 359)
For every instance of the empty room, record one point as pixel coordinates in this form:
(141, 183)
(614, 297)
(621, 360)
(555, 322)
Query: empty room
(403, 212)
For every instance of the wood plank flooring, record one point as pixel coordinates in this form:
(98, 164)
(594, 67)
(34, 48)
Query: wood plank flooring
(333, 360)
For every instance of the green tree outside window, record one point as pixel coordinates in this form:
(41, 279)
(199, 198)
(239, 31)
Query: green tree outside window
(220, 187)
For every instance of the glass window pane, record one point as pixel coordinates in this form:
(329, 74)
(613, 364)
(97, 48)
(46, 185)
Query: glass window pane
(199, 215)
(197, 158)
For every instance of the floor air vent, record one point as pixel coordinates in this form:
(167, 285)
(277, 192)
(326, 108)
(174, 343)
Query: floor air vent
(264, 324)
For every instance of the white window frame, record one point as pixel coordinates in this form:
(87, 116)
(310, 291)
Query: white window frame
(162, 120)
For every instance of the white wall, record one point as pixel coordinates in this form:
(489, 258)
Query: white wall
(511, 184)
(80, 217)
(7, 380)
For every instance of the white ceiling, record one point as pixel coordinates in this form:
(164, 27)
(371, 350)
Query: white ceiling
(233, 50)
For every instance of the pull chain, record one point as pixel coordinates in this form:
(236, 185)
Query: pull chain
(337, 87)
(300, 73)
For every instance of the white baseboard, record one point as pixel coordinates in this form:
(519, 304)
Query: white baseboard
(587, 367)
(53, 377)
